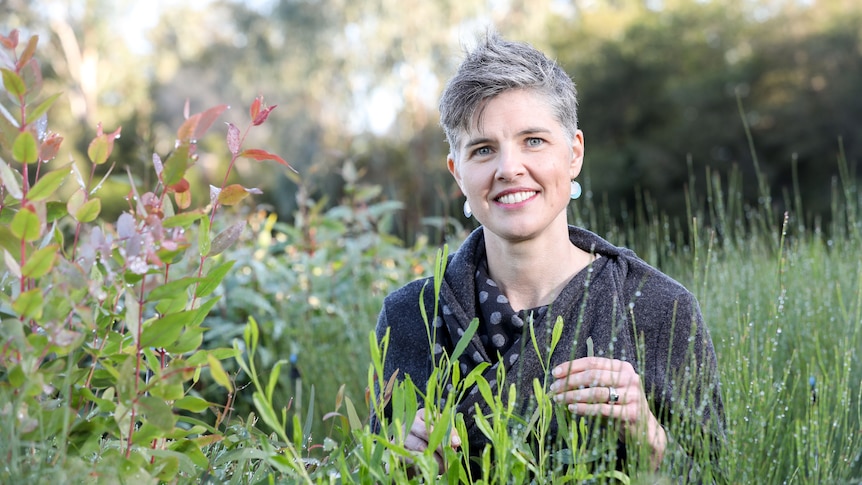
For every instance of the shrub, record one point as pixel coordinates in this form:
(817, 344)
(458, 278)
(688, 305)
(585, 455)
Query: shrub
(102, 323)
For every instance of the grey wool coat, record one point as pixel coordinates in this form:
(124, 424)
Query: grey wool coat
(629, 309)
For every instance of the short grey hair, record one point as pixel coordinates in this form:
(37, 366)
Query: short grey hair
(495, 66)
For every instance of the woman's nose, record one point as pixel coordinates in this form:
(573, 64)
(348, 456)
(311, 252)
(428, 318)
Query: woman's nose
(509, 164)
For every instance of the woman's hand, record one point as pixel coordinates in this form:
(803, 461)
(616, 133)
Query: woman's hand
(418, 436)
(596, 386)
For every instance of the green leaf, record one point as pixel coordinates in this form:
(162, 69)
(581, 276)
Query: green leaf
(25, 225)
(193, 404)
(556, 333)
(264, 408)
(218, 373)
(106, 402)
(40, 262)
(166, 330)
(13, 83)
(16, 376)
(171, 304)
(352, 416)
(215, 276)
(133, 314)
(89, 211)
(189, 341)
(201, 312)
(43, 107)
(169, 389)
(99, 149)
(176, 165)
(25, 149)
(158, 413)
(76, 201)
(184, 220)
(273, 378)
(29, 304)
(485, 390)
(48, 184)
(192, 451)
(204, 237)
(172, 288)
(251, 335)
(464, 340)
(55, 210)
(232, 194)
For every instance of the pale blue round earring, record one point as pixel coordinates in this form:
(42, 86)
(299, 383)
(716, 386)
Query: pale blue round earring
(468, 213)
(575, 191)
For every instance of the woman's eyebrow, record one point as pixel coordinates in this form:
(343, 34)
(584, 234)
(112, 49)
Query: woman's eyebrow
(476, 141)
(532, 131)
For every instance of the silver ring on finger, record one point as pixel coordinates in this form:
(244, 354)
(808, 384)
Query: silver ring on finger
(613, 395)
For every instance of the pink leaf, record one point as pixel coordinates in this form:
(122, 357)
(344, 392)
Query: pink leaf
(49, 147)
(157, 163)
(188, 128)
(260, 155)
(125, 225)
(10, 42)
(255, 107)
(233, 138)
(214, 192)
(208, 117)
(263, 115)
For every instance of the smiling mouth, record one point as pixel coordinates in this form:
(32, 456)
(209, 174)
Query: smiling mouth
(516, 197)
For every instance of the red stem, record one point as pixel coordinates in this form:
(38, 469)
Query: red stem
(138, 358)
(233, 159)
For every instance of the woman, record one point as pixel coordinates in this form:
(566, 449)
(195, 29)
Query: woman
(509, 114)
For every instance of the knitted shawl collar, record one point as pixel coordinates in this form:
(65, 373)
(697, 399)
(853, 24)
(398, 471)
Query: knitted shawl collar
(590, 305)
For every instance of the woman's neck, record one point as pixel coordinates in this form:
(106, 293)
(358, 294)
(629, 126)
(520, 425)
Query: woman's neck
(532, 273)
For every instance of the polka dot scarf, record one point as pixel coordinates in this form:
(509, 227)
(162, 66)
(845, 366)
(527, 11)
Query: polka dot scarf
(501, 326)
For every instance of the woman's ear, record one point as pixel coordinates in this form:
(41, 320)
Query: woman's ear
(577, 153)
(452, 165)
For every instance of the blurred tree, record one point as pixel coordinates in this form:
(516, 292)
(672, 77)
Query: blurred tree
(359, 81)
(662, 89)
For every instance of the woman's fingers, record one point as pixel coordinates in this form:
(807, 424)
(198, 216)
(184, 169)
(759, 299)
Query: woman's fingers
(627, 414)
(589, 395)
(594, 372)
(420, 432)
(418, 436)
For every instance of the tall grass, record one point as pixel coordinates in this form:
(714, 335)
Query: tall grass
(782, 297)
(780, 290)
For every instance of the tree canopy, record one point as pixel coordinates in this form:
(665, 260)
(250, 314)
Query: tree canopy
(666, 88)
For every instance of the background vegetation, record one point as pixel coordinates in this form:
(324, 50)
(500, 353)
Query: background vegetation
(359, 81)
(723, 144)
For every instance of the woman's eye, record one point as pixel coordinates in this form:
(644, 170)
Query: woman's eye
(482, 151)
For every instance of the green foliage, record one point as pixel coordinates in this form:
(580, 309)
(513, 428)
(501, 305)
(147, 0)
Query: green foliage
(132, 353)
(315, 287)
(102, 333)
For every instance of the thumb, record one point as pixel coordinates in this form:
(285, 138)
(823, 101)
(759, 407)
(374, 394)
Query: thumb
(455, 440)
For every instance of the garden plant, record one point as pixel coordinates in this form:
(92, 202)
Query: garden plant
(184, 344)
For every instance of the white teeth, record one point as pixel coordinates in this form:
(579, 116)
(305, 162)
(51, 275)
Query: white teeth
(516, 197)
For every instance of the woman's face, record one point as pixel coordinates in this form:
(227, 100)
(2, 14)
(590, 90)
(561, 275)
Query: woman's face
(515, 166)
